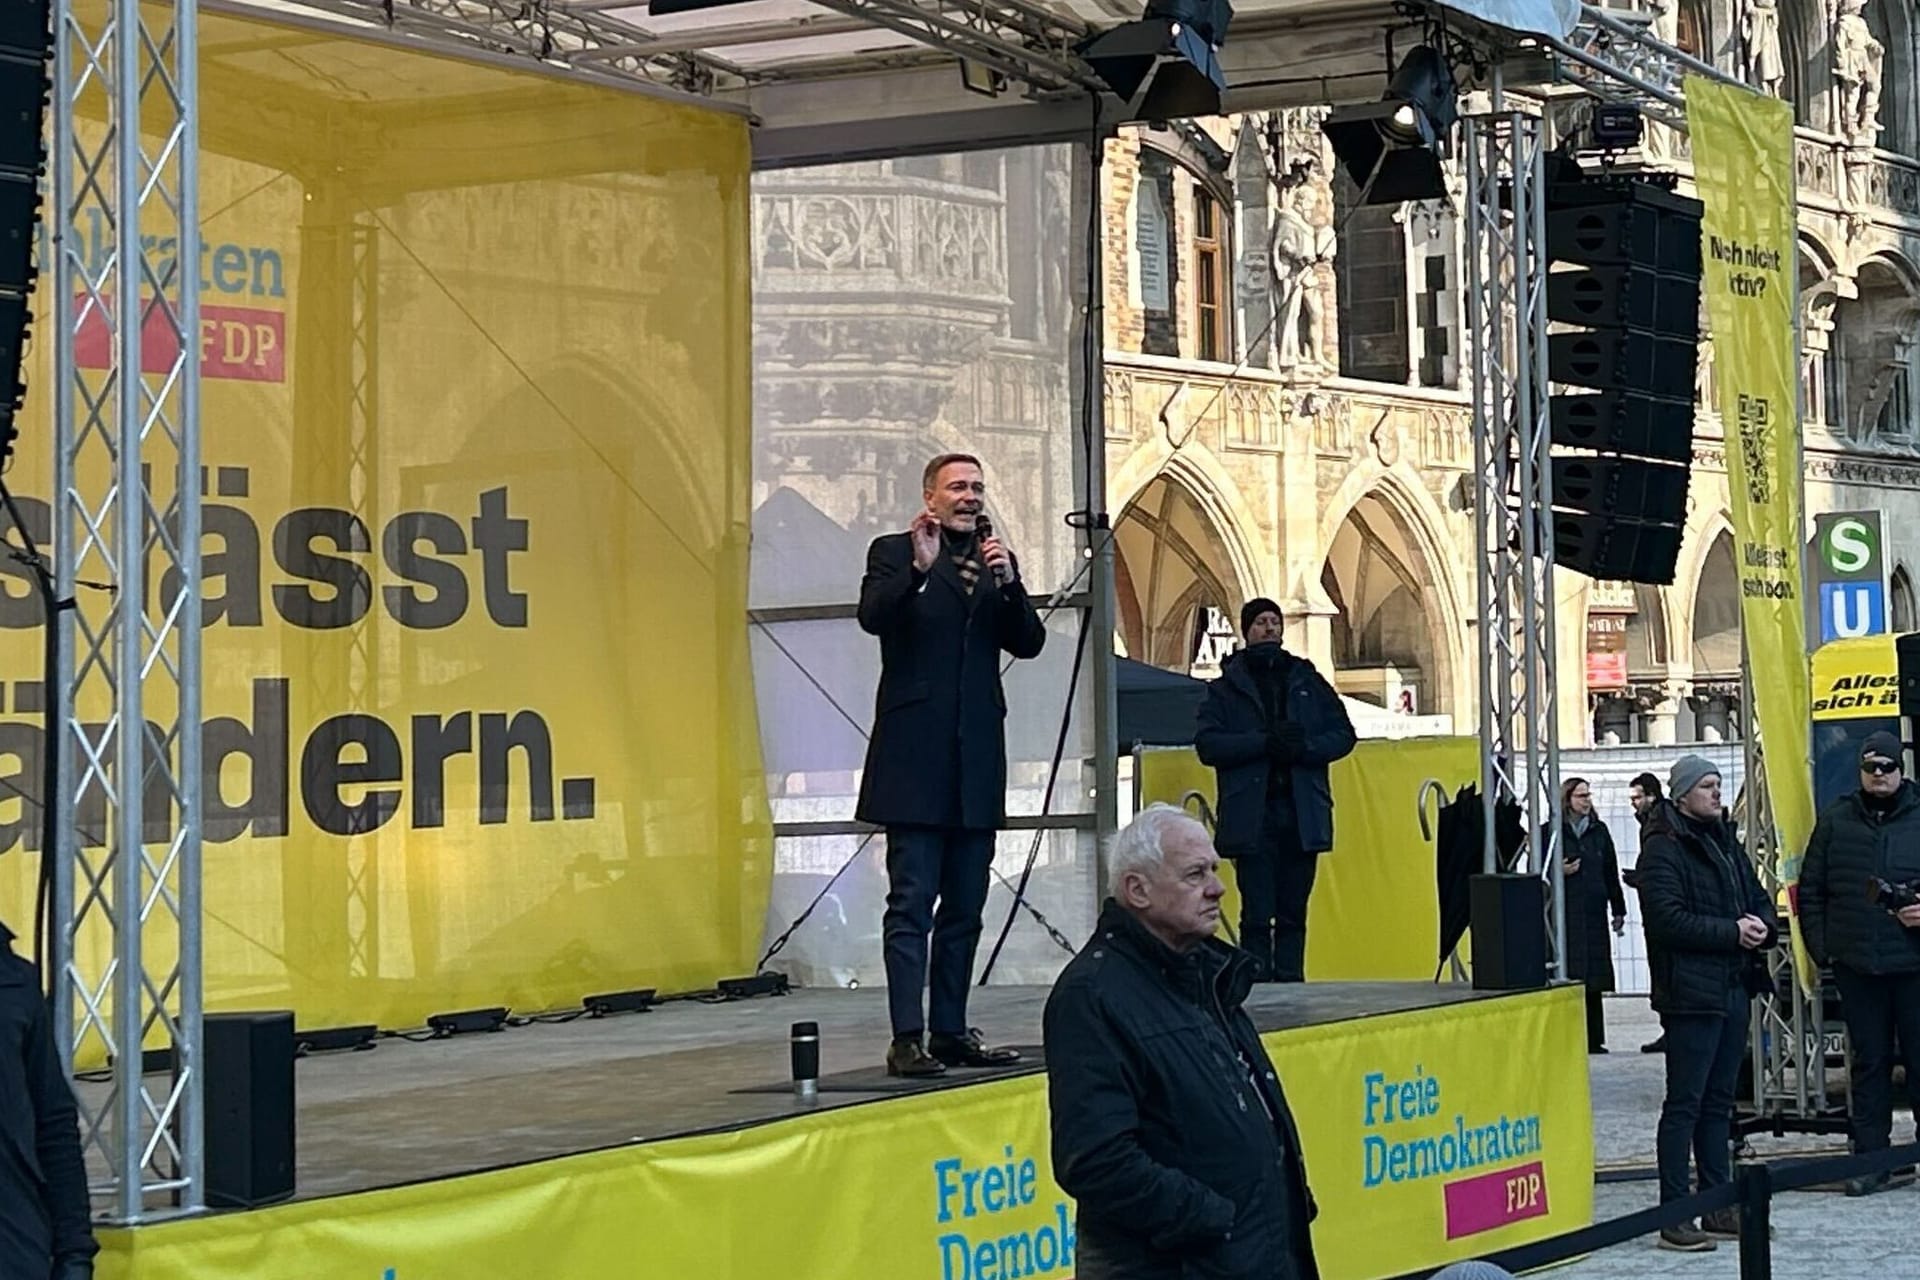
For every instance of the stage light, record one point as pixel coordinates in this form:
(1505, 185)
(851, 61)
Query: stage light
(1173, 52)
(1616, 126)
(978, 77)
(334, 1039)
(667, 8)
(619, 1002)
(1392, 148)
(453, 1024)
(770, 983)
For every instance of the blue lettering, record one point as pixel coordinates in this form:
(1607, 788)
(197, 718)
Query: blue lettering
(1028, 1173)
(1068, 1238)
(1376, 1160)
(951, 1246)
(230, 268)
(945, 1187)
(1046, 1249)
(986, 1261)
(993, 1189)
(1374, 1082)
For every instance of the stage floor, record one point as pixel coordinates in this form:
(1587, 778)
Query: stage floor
(408, 1112)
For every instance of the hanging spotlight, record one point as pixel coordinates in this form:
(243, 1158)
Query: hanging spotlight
(1399, 141)
(1174, 52)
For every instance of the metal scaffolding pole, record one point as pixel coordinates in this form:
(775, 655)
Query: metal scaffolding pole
(126, 944)
(1513, 534)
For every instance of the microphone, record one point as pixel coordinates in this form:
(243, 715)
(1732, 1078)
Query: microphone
(804, 1040)
(983, 529)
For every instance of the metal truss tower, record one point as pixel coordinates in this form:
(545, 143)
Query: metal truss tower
(1513, 532)
(126, 406)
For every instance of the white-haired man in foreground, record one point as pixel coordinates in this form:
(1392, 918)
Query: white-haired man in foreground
(1170, 1129)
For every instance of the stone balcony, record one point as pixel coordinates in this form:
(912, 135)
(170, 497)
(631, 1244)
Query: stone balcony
(1263, 412)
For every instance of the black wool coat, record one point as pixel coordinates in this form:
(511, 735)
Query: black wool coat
(937, 756)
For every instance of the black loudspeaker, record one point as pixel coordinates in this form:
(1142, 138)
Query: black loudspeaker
(249, 1108)
(1907, 653)
(1509, 933)
(1627, 265)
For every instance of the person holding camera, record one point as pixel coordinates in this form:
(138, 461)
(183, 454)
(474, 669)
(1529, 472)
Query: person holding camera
(1708, 924)
(1860, 914)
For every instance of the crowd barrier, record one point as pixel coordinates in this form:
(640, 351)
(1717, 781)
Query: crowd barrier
(1752, 1190)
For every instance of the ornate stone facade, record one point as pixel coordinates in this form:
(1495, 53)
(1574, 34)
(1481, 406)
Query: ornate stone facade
(1290, 459)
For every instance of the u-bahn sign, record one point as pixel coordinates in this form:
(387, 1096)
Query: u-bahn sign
(1849, 575)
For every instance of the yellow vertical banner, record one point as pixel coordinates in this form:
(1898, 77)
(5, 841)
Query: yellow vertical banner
(475, 412)
(1744, 170)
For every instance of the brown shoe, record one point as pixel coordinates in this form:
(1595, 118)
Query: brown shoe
(909, 1059)
(969, 1050)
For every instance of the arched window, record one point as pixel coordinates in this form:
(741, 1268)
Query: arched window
(1798, 44)
(1890, 25)
(1182, 243)
(1210, 308)
(1694, 30)
(1370, 267)
(1900, 601)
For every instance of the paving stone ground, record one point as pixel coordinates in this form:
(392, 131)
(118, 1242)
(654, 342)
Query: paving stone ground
(1820, 1235)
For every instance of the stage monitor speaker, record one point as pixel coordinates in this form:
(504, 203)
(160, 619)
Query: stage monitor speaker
(249, 1108)
(1509, 933)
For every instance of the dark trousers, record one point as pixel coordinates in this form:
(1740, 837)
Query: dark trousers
(925, 866)
(1596, 1020)
(1275, 882)
(1877, 1009)
(1704, 1051)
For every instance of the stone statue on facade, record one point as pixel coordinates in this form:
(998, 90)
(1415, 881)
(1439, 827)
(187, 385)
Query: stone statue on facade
(1703, 364)
(1760, 33)
(1857, 63)
(1300, 249)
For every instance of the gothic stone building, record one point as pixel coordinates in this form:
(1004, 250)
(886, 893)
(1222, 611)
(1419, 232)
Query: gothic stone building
(1321, 456)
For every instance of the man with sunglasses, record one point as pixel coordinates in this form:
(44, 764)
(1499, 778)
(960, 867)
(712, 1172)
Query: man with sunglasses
(1858, 913)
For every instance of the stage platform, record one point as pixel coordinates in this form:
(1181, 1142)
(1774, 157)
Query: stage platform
(406, 1112)
(1422, 1108)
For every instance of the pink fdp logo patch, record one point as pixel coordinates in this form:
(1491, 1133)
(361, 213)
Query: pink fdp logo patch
(1492, 1200)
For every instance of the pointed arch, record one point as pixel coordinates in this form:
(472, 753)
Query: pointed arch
(1431, 577)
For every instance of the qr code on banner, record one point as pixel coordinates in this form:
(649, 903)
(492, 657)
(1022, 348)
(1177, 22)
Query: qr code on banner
(1756, 438)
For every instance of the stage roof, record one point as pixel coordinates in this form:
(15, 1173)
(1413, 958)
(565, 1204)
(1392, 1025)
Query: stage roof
(839, 79)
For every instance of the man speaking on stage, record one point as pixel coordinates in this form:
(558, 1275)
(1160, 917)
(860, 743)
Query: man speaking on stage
(945, 599)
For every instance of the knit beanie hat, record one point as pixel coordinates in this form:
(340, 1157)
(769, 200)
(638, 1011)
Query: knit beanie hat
(1882, 745)
(1474, 1271)
(1686, 775)
(1253, 609)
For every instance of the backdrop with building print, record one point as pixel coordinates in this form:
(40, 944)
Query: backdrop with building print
(480, 727)
(902, 309)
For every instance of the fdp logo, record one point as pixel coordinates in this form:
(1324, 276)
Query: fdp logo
(1852, 593)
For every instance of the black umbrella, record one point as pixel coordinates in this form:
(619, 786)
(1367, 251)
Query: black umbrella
(1459, 855)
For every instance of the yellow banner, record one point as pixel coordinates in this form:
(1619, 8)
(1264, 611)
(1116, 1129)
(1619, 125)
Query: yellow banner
(1744, 169)
(1856, 679)
(1426, 1137)
(479, 716)
(1381, 867)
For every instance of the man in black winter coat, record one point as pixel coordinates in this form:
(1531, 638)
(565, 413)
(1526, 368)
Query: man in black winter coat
(1874, 947)
(1170, 1128)
(1708, 921)
(45, 1232)
(946, 602)
(1269, 728)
